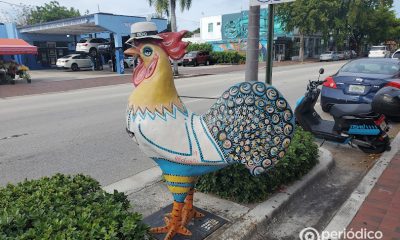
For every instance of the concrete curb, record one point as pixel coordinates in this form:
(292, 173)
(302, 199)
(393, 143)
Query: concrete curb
(265, 211)
(349, 209)
(246, 224)
(136, 182)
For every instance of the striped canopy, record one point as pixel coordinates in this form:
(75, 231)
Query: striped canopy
(10, 46)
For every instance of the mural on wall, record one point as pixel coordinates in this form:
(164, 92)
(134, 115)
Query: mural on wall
(235, 25)
(240, 46)
(234, 32)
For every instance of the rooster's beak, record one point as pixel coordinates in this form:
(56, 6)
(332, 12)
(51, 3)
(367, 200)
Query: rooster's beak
(133, 51)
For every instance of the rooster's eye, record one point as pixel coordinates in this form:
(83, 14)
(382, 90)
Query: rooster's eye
(147, 51)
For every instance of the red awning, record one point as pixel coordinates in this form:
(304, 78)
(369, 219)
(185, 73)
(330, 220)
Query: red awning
(10, 46)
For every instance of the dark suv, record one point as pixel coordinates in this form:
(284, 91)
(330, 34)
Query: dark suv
(196, 58)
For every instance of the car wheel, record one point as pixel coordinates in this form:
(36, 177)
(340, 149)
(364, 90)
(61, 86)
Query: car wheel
(93, 52)
(326, 108)
(126, 65)
(74, 67)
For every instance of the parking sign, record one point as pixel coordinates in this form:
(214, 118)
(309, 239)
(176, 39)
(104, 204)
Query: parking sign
(263, 2)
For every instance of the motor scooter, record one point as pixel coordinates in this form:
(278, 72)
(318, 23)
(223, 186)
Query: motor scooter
(354, 124)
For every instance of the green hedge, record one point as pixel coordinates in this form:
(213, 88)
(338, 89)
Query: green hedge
(66, 207)
(199, 47)
(235, 182)
(231, 57)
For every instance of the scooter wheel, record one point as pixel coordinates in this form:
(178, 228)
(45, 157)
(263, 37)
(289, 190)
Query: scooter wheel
(380, 147)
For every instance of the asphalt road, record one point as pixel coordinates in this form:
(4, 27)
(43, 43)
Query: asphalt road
(83, 131)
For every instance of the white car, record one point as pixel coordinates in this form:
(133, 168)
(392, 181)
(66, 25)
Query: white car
(396, 55)
(128, 62)
(329, 56)
(75, 62)
(379, 52)
(90, 45)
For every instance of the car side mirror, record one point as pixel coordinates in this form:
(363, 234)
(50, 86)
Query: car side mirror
(321, 71)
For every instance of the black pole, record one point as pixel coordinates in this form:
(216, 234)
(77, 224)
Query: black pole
(270, 43)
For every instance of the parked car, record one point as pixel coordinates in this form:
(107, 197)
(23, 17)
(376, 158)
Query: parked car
(341, 55)
(353, 54)
(378, 52)
(396, 54)
(90, 45)
(196, 58)
(75, 62)
(329, 56)
(128, 62)
(358, 81)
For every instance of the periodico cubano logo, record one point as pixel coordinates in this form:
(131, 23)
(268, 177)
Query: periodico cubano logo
(309, 234)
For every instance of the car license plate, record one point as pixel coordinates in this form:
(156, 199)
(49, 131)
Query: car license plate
(356, 88)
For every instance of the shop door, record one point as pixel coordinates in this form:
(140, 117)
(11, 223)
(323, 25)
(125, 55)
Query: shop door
(51, 53)
(279, 52)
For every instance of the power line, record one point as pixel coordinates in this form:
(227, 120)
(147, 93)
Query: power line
(12, 4)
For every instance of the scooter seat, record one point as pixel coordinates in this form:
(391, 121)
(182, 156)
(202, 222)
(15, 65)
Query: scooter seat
(356, 110)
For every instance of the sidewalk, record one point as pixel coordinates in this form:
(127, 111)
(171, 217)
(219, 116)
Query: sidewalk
(381, 209)
(375, 204)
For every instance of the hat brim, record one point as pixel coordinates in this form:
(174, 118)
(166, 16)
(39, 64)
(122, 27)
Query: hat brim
(150, 36)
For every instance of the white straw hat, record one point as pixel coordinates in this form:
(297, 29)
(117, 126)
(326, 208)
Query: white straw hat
(142, 30)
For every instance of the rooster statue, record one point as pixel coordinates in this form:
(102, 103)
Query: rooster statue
(251, 123)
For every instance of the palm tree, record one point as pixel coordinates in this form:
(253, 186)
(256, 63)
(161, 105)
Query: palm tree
(169, 7)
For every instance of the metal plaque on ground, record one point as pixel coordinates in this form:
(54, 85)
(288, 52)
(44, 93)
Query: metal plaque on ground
(200, 227)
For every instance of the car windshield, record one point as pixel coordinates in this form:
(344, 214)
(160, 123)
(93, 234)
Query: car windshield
(381, 67)
(67, 56)
(82, 40)
(190, 54)
(377, 48)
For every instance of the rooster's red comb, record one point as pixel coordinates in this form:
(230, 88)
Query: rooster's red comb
(172, 43)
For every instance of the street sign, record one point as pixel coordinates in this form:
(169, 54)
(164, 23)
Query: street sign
(263, 2)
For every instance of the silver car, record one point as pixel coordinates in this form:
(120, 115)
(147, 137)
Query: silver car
(329, 56)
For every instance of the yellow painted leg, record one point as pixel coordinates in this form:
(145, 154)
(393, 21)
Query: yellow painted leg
(188, 212)
(173, 225)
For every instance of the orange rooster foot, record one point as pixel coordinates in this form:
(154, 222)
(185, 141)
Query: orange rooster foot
(173, 225)
(189, 214)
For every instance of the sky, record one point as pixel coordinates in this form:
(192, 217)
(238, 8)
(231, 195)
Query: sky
(188, 20)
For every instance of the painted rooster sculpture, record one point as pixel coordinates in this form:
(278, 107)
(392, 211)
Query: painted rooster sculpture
(251, 123)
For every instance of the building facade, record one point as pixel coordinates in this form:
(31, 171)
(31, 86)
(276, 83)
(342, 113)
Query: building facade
(58, 38)
(229, 32)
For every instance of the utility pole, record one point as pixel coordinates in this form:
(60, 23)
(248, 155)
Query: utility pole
(270, 44)
(253, 40)
(270, 38)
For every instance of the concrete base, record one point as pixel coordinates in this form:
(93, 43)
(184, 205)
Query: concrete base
(243, 219)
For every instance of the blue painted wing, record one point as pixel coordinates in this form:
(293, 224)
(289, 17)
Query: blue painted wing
(253, 124)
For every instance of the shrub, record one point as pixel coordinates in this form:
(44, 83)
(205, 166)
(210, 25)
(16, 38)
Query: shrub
(200, 47)
(231, 57)
(235, 182)
(66, 207)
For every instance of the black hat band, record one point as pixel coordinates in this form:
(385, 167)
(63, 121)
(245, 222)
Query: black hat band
(144, 34)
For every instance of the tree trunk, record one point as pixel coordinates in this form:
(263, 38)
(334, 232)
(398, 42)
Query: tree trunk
(252, 44)
(172, 5)
(301, 51)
